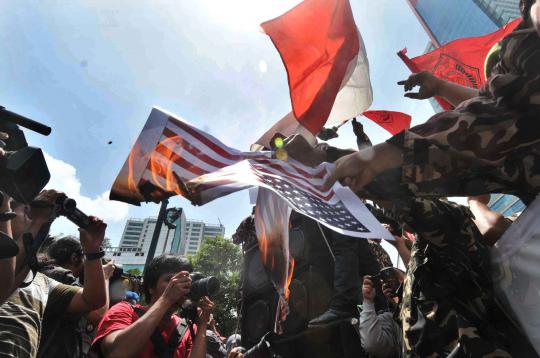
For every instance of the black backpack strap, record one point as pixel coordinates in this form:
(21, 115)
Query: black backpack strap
(176, 337)
(162, 349)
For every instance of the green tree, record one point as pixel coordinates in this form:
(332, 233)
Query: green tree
(221, 258)
(135, 272)
(106, 243)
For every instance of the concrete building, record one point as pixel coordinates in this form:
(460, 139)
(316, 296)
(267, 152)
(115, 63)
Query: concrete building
(196, 231)
(185, 238)
(132, 233)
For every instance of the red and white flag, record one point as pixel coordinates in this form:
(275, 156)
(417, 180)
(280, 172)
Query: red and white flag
(326, 62)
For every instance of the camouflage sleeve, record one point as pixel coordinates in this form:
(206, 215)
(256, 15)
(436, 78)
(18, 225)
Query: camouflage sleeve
(476, 138)
(483, 136)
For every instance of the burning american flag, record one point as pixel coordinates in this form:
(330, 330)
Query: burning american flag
(171, 157)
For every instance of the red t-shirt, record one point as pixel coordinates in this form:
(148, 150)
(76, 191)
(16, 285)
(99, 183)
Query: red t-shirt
(122, 315)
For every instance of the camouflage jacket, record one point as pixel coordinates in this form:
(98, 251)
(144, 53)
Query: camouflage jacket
(380, 254)
(490, 143)
(448, 296)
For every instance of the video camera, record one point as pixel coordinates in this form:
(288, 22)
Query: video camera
(68, 207)
(23, 170)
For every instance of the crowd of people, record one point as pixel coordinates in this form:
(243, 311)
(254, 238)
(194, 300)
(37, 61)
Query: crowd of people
(60, 298)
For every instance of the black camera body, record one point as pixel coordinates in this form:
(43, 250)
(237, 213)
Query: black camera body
(202, 286)
(68, 207)
(23, 169)
(386, 274)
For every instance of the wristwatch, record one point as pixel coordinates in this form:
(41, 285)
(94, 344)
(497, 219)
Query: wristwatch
(94, 256)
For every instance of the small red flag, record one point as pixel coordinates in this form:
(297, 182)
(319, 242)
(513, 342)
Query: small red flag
(460, 61)
(317, 40)
(392, 121)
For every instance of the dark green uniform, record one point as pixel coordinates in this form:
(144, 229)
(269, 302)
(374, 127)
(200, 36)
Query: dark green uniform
(488, 144)
(448, 294)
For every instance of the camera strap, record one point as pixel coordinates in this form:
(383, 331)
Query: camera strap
(30, 257)
(162, 349)
(31, 247)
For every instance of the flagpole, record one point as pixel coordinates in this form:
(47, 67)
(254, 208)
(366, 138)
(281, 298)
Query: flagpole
(157, 231)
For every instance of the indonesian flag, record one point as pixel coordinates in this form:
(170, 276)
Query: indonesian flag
(461, 61)
(326, 62)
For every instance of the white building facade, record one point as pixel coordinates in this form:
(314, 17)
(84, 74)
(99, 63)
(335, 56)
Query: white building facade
(185, 238)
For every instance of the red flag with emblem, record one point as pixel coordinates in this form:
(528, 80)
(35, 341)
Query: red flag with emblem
(460, 61)
(392, 121)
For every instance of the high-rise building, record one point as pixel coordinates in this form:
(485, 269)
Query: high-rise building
(132, 233)
(185, 238)
(445, 20)
(500, 12)
(196, 231)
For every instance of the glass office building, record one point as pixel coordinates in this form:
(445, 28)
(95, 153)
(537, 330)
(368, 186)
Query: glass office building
(506, 204)
(448, 20)
(500, 12)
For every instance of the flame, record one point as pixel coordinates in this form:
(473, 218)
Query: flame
(274, 256)
(289, 278)
(161, 166)
(131, 182)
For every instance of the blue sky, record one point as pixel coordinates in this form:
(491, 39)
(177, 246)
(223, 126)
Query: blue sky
(92, 70)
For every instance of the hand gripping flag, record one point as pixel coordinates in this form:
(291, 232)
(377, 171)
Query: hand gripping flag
(461, 61)
(171, 157)
(326, 62)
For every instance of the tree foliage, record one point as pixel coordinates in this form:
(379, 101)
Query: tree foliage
(221, 258)
(135, 272)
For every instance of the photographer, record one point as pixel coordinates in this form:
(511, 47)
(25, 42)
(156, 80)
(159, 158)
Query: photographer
(155, 330)
(7, 264)
(380, 333)
(64, 335)
(21, 316)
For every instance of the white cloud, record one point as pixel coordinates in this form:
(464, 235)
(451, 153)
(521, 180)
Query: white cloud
(64, 178)
(263, 66)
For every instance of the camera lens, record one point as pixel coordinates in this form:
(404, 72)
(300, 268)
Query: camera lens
(203, 286)
(69, 205)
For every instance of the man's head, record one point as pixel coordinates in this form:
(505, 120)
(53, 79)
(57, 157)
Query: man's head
(22, 220)
(67, 252)
(159, 272)
(525, 7)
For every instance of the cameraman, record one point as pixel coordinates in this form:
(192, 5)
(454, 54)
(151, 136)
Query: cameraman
(64, 335)
(155, 330)
(21, 316)
(380, 334)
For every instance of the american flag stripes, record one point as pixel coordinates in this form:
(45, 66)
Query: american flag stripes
(187, 161)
